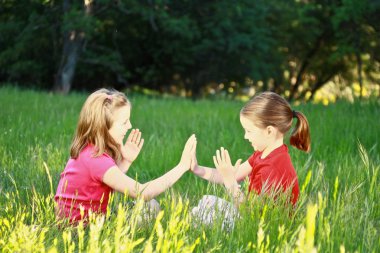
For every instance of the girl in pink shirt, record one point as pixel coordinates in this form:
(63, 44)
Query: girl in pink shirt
(100, 158)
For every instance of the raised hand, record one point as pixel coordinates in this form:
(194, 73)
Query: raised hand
(194, 164)
(223, 164)
(132, 147)
(189, 152)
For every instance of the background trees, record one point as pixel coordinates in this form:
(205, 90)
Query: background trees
(292, 47)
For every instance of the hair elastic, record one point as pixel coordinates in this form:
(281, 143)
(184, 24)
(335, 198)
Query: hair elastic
(294, 114)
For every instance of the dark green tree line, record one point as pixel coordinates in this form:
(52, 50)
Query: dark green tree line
(296, 46)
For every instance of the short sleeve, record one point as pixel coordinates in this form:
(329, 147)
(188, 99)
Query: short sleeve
(98, 166)
(251, 159)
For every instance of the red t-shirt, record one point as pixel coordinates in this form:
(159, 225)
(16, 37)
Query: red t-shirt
(81, 184)
(275, 171)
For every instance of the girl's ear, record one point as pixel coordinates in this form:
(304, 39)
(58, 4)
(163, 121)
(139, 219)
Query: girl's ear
(270, 131)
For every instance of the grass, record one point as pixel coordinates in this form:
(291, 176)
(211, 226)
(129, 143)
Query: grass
(338, 208)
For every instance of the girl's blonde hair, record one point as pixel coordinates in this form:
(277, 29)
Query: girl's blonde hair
(270, 109)
(95, 120)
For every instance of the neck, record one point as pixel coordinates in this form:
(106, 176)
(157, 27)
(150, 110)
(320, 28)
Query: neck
(276, 144)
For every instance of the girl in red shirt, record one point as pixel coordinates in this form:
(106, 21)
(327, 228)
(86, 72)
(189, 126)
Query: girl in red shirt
(266, 118)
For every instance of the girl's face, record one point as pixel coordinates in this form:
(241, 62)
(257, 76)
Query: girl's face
(121, 123)
(258, 137)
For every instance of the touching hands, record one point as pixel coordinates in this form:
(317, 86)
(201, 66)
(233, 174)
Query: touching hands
(223, 165)
(188, 153)
(194, 167)
(132, 147)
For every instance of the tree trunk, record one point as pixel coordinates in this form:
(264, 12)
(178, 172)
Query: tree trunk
(196, 84)
(318, 85)
(360, 77)
(304, 66)
(72, 45)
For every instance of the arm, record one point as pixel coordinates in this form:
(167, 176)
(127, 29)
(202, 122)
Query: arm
(209, 174)
(120, 182)
(115, 179)
(212, 175)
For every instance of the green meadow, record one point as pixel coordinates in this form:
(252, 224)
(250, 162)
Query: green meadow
(338, 209)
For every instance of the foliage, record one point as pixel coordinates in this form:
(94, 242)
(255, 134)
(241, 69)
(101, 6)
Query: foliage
(292, 47)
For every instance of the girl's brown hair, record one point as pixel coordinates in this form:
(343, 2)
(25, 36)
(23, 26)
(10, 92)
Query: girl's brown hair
(270, 109)
(95, 120)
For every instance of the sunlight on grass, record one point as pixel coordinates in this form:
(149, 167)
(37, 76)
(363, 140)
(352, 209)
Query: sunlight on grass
(338, 209)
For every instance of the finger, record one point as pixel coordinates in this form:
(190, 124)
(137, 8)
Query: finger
(194, 147)
(134, 137)
(218, 157)
(215, 162)
(194, 156)
(192, 137)
(237, 164)
(222, 154)
(227, 156)
(140, 145)
(192, 152)
(130, 135)
(192, 164)
(138, 138)
(189, 143)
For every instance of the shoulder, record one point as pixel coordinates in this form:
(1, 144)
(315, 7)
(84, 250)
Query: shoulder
(282, 165)
(95, 163)
(89, 154)
(282, 157)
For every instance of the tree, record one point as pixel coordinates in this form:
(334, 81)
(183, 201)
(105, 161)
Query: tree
(77, 24)
(291, 47)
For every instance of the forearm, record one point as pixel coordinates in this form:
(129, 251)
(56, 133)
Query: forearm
(209, 174)
(155, 187)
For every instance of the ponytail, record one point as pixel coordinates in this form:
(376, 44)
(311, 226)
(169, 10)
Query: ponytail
(300, 137)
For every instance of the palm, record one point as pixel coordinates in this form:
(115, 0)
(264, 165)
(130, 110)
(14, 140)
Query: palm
(223, 164)
(132, 147)
(188, 153)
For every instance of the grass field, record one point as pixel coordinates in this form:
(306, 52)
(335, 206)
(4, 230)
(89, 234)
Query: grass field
(338, 209)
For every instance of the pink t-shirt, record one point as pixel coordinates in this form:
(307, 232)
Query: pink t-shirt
(81, 184)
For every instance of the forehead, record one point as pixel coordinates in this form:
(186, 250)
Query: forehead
(246, 123)
(122, 113)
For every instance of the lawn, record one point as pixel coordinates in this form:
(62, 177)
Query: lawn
(338, 209)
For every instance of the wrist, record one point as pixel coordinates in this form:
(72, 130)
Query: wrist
(124, 165)
(196, 170)
(182, 167)
(230, 183)
(126, 160)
